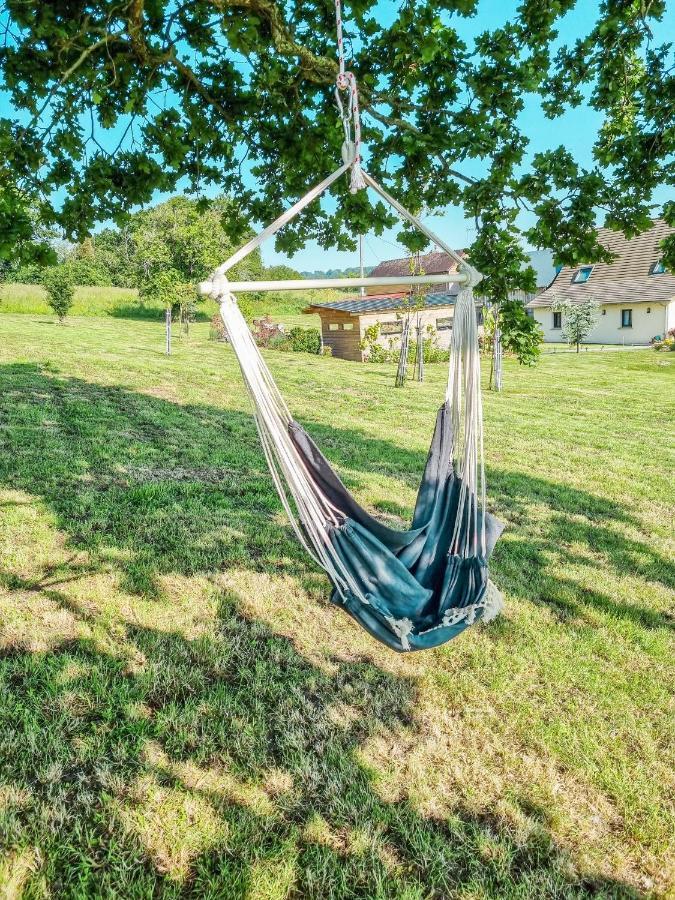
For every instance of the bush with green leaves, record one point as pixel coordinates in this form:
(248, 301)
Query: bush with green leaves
(60, 287)
(87, 271)
(30, 273)
(375, 352)
(305, 340)
(280, 341)
(521, 335)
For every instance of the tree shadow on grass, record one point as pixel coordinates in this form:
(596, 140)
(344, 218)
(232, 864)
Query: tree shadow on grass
(150, 487)
(141, 311)
(225, 764)
(146, 486)
(576, 517)
(228, 766)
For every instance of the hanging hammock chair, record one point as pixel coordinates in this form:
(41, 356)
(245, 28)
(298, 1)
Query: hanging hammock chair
(412, 589)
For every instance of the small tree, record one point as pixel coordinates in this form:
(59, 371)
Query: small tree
(578, 319)
(58, 282)
(521, 334)
(508, 327)
(166, 286)
(413, 303)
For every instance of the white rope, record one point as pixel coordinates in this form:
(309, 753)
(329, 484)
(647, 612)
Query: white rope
(346, 81)
(313, 513)
(463, 396)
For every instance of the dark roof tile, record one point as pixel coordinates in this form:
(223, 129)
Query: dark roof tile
(385, 302)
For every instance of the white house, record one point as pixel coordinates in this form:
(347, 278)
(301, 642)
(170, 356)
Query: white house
(635, 293)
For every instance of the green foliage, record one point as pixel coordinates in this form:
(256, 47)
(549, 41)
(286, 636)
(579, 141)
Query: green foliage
(178, 243)
(521, 335)
(578, 319)
(486, 338)
(445, 105)
(183, 235)
(376, 352)
(280, 273)
(88, 272)
(370, 346)
(305, 340)
(28, 273)
(281, 341)
(165, 287)
(60, 287)
(114, 253)
(24, 232)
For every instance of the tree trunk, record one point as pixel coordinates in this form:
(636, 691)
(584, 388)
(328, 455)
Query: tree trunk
(402, 371)
(167, 320)
(496, 370)
(419, 362)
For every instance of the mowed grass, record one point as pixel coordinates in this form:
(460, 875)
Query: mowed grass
(124, 303)
(184, 714)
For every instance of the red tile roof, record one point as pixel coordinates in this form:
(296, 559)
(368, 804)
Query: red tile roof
(431, 263)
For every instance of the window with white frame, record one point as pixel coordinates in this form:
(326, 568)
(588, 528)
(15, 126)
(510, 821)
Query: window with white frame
(582, 275)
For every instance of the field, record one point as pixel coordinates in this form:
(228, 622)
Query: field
(124, 303)
(184, 714)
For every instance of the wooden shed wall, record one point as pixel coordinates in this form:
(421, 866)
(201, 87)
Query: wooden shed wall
(344, 344)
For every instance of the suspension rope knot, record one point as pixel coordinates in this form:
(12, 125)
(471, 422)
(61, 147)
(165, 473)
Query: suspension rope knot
(346, 81)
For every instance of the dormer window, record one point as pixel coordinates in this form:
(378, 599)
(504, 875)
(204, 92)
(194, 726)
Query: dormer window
(582, 275)
(657, 268)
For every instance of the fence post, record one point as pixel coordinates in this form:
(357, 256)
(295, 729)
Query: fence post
(167, 320)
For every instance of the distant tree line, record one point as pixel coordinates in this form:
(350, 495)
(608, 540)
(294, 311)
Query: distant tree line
(163, 251)
(352, 272)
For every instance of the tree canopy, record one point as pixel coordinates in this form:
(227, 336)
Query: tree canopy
(116, 101)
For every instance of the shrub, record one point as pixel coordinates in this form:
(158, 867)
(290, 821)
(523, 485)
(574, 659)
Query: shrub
(264, 330)
(377, 353)
(60, 289)
(217, 330)
(31, 273)
(522, 336)
(86, 271)
(280, 341)
(305, 340)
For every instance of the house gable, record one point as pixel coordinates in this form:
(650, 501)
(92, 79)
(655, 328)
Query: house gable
(626, 279)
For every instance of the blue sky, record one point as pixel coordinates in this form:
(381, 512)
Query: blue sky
(575, 129)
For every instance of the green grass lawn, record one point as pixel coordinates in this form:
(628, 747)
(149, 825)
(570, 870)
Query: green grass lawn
(124, 303)
(184, 714)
